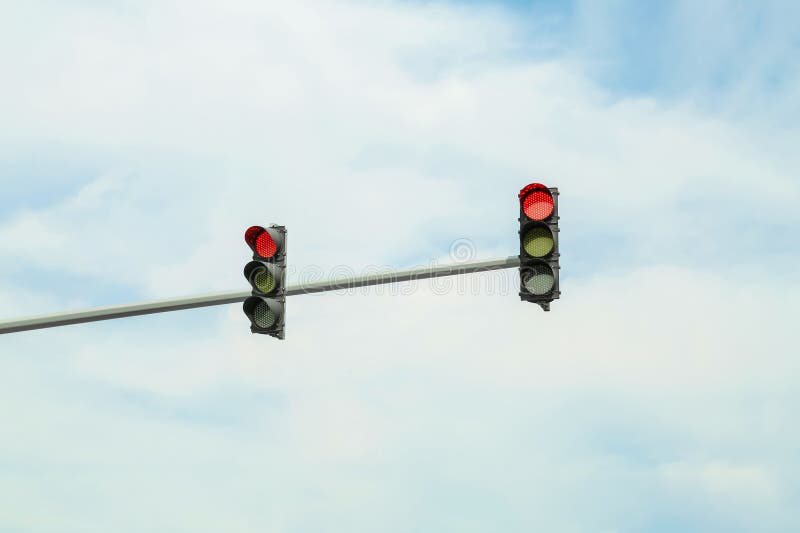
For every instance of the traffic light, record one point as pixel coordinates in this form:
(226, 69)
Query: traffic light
(266, 274)
(538, 244)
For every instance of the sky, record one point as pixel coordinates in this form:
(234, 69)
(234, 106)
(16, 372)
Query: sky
(138, 140)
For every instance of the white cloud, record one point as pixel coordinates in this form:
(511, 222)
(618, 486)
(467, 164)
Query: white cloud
(378, 133)
(623, 400)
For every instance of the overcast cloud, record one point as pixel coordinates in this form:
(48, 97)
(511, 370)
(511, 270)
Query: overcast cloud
(139, 139)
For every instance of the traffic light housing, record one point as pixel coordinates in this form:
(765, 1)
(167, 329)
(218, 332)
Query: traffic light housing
(538, 244)
(266, 273)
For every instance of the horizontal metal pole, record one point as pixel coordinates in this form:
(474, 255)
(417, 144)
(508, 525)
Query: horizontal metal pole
(221, 298)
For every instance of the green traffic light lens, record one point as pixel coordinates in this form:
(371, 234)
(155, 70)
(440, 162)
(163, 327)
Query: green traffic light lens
(539, 280)
(538, 241)
(264, 281)
(263, 316)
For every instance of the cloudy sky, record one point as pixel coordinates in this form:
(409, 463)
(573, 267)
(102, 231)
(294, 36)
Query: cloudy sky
(138, 139)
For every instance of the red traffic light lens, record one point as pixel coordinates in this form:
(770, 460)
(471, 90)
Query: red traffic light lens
(260, 241)
(538, 204)
(265, 245)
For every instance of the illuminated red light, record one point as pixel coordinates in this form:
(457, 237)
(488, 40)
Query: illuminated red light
(265, 245)
(260, 241)
(537, 202)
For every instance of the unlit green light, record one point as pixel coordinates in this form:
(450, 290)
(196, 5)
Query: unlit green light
(540, 280)
(538, 241)
(263, 316)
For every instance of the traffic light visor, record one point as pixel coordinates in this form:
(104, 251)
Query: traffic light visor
(251, 234)
(537, 241)
(538, 279)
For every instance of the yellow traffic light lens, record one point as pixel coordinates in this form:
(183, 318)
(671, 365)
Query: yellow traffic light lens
(538, 241)
(263, 316)
(264, 281)
(539, 280)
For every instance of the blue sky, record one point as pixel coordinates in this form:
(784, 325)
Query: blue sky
(139, 140)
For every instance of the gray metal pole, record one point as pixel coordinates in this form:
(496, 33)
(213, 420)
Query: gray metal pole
(221, 298)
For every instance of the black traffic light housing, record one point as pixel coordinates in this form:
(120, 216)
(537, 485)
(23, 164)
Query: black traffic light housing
(266, 273)
(538, 245)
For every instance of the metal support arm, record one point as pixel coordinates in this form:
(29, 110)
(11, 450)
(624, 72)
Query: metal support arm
(222, 298)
